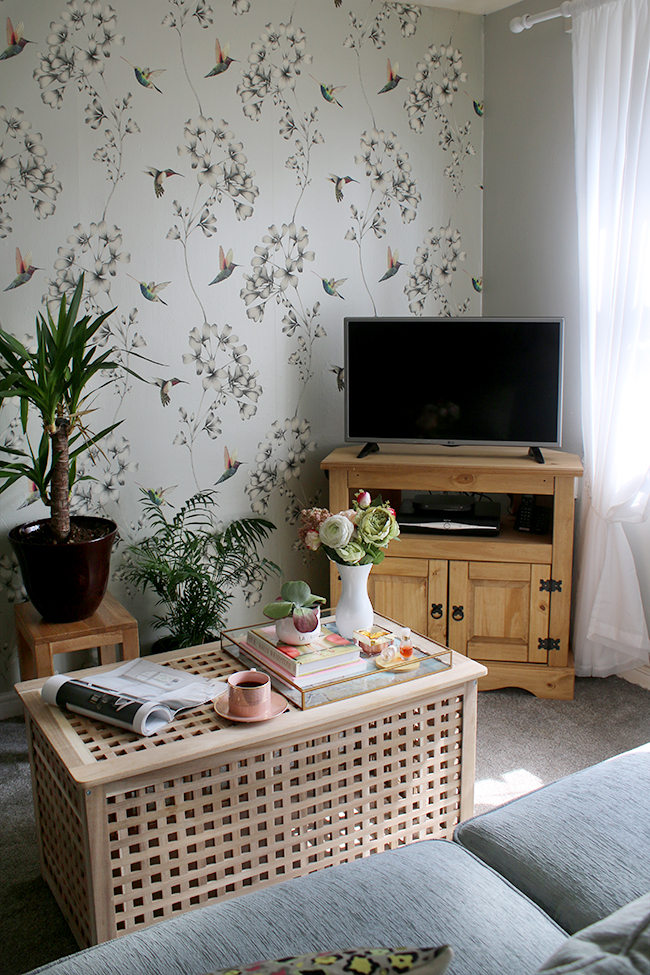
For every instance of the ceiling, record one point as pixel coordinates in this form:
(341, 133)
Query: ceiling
(469, 6)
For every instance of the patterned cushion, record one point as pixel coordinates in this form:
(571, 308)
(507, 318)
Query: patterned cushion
(356, 961)
(617, 945)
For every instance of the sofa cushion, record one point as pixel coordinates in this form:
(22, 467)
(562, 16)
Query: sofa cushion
(428, 893)
(578, 847)
(618, 945)
(356, 961)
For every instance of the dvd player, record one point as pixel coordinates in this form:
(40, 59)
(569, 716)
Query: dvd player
(484, 519)
(437, 502)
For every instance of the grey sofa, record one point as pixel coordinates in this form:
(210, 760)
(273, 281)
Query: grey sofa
(556, 881)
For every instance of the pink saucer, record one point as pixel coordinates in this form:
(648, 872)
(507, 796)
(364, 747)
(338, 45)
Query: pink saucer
(278, 705)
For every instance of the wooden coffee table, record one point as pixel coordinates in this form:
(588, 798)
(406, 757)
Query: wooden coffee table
(134, 830)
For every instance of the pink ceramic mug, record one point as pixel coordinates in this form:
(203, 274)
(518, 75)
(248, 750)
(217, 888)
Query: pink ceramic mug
(249, 694)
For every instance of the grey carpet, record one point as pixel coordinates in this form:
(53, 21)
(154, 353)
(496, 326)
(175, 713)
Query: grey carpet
(522, 743)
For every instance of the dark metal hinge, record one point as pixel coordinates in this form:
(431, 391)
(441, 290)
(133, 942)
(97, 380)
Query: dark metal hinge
(550, 585)
(548, 644)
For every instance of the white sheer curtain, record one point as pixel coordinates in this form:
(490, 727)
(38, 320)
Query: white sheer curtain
(611, 72)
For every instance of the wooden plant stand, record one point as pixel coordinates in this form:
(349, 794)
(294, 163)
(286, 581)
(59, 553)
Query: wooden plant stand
(107, 629)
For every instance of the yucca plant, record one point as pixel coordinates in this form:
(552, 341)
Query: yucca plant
(53, 380)
(195, 566)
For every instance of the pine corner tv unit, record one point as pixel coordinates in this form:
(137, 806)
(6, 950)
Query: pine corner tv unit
(505, 601)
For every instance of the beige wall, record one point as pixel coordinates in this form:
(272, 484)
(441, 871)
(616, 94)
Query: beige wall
(530, 261)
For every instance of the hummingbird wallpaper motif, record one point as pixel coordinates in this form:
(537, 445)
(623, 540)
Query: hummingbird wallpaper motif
(233, 177)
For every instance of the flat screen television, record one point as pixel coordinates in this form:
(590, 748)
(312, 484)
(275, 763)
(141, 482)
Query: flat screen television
(454, 381)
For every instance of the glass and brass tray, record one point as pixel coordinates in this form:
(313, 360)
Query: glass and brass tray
(310, 692)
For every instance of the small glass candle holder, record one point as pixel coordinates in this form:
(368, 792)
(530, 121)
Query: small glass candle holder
(373, 640)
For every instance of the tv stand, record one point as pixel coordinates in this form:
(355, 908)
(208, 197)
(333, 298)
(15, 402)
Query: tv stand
(370, 448)
(504, 601)
(537, 454)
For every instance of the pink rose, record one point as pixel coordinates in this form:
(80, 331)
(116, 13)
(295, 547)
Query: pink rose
(363, 498)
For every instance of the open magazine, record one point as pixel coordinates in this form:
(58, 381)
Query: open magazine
(138, 695)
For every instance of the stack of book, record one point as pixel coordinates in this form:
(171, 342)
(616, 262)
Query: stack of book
(330, 657)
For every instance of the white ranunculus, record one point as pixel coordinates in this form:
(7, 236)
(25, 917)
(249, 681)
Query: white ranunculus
(336, 531)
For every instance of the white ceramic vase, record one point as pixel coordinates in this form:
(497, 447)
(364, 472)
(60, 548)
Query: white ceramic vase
(286, 632)
(354, 610)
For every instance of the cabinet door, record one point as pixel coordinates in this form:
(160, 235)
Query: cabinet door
(438, 621)
(398, 589)
(495, 612)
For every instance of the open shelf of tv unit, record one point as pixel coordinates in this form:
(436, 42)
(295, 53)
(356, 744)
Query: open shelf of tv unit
(504, 600)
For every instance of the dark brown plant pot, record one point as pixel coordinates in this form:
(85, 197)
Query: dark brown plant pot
(65, 581)
(165, 644)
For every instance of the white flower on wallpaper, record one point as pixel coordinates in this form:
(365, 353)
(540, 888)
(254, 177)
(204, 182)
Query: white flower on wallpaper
(308, 204)
(11, 582)
(277, 263)
(278, 461)
(220, 166)
(117, 124)
(100, 482)
(126, 344)
(276, 64)
(95, 253)
(277, 267)
(200, 10)
(222, 362)
(370, 28)
(221, 169)
(437, 80)
(436, 265)
(77, 47)
(23, 168)
(388, 169)
(182, 9)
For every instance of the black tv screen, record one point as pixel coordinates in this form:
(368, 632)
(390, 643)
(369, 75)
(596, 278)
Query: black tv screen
(454, 380)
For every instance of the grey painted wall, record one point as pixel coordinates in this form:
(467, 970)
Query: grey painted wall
(530, 231)
(530, 259)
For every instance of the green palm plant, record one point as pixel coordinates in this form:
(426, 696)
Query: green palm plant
(194, 566)
(53, 380)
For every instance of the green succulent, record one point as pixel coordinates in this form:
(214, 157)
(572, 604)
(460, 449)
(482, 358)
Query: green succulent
(296, 599)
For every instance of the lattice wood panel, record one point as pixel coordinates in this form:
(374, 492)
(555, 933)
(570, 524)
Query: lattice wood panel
(260, 817)
(60, 816)
(131, 835)
(105, 742)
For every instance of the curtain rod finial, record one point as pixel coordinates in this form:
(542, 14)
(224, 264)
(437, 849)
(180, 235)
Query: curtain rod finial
(517, 24)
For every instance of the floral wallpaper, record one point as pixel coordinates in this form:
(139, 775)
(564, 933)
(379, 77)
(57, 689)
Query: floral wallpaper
(233, 177)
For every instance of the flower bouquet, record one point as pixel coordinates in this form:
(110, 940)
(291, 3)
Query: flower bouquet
(353, 537)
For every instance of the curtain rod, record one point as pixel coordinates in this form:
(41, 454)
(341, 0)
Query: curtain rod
(529, 20)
